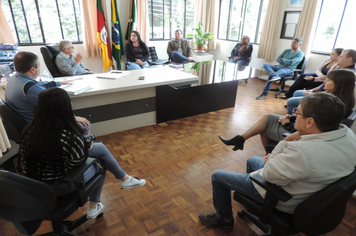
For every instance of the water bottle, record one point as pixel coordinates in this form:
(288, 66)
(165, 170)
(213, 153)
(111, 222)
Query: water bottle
(45, 74)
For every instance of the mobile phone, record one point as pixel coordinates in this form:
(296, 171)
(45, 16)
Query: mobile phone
(141, 77)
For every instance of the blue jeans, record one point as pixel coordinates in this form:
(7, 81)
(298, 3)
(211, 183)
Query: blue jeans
(294, 101)
(135, 66)
(224, 181)
(100, 152)
(241, 62)
(278, 71)
(179, 58)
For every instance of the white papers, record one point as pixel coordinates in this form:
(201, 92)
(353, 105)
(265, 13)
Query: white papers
(176, 65)
(114, 74)
(61, 79)
(77, 88)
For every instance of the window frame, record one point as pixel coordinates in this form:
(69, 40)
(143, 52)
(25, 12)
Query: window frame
(41, 25)
(242, 23)
(337, 33)
(171, 34)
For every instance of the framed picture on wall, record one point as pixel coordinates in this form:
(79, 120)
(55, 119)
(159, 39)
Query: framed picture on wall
(290, 24)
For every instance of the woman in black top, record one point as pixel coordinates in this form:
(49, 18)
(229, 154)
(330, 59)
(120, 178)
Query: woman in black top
(312, 80)
(136, 52)
(53, 144)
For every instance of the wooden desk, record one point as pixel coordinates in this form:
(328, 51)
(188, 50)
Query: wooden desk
(125, 103)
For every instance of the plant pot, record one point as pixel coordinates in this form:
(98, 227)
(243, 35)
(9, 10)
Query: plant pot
(200, 48)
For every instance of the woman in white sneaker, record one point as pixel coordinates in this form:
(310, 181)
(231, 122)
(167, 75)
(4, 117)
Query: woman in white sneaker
(53, 144)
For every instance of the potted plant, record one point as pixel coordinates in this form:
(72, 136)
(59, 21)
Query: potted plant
(200, 38)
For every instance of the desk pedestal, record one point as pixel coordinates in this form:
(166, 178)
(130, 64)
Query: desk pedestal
(178, 102)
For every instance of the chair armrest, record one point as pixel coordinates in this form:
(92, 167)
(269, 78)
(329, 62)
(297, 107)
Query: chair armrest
(273, 189)
(273, 195)
(76, 173)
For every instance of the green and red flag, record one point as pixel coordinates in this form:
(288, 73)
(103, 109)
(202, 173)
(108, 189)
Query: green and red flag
(116, 35)
(102, 35)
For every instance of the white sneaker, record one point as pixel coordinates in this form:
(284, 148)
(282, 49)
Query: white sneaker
(132, 182)
(93, 213)
(275, 79)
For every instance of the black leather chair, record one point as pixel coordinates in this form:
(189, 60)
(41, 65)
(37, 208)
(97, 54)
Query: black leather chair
(348, 121)
(299, 70)
(49, 53)
(153, 58)
(317, 215)
(13, 123)
(27, 202)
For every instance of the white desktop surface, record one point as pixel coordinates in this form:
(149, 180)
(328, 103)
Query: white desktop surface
(153, 77)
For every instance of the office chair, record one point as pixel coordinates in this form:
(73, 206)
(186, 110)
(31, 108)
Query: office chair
(317, 215)
(27, 202)
(13, 123)
(153, 58)
(299, 70)
(49, 53)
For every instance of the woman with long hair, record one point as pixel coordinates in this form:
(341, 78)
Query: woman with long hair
(136, 52)
(340, 82)
(313, 80)
(53, 144)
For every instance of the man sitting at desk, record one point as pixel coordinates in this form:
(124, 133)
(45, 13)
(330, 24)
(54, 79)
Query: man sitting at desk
(179, 49)
(22, 90)
(319, 153)
(67, 63)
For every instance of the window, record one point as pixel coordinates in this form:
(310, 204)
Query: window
(335, 26)
(166, 16)
(241, 17)
(43, 21)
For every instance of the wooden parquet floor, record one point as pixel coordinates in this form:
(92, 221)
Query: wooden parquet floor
(177, 159)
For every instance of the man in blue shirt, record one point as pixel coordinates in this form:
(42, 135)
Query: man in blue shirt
(22, 90)
(67, 63)
(288, 61)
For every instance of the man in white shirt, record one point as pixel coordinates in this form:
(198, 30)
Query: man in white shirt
(319, 153)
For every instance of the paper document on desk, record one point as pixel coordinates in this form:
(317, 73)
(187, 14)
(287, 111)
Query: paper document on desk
(61, 79)
(77, 88)
(114, 74)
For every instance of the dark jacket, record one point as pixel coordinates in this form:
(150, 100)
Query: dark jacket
(129, 52)
(244, 55)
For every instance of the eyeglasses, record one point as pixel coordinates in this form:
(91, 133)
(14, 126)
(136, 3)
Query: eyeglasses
(72, 47)
(295, 113)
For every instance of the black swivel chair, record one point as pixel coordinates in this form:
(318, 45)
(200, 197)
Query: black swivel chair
(317, 215)
(153, 58)
(299, 70)
(27, 202)
(49, 53)
(13, 123)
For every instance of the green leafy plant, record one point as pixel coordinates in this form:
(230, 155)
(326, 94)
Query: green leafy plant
(197, 65)
(201, 38)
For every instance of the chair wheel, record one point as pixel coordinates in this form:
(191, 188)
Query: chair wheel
(241, 213)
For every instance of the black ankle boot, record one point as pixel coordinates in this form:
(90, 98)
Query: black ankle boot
(237, 141)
